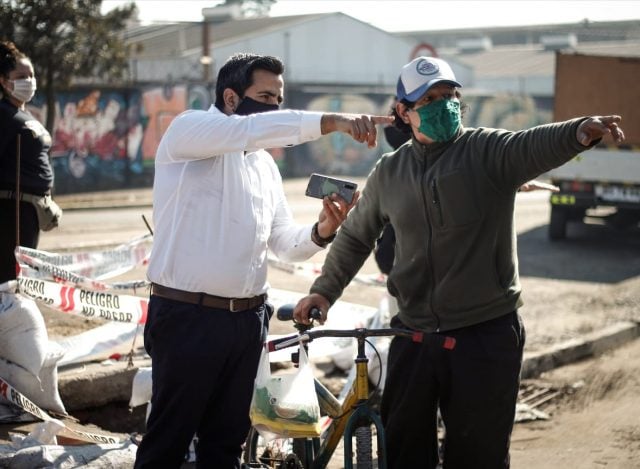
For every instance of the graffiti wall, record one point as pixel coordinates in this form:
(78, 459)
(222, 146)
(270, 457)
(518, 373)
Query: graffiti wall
(507, 111)
(106, 139)
(338, 154)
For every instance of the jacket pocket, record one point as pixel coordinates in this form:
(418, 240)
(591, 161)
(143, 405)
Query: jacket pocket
(456, 204)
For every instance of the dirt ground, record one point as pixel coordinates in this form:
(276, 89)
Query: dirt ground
(596, 426)
(569, 288)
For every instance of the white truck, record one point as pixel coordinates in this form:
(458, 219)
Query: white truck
(603, 182)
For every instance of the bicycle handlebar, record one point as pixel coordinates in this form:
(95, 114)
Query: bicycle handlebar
(362, 332)
(285, 313)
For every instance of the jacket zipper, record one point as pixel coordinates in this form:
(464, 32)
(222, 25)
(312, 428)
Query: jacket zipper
(436, 201)
(430, 260)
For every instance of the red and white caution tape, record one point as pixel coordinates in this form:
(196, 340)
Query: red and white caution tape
(98, 265)
(91, 304)
(62, 275)
(14, 396)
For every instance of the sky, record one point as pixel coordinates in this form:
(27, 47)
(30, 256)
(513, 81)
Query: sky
(413, 15)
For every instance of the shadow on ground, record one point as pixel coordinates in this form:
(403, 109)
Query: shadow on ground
(590, 253)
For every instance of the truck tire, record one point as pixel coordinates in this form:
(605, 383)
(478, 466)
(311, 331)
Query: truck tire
(558, 223)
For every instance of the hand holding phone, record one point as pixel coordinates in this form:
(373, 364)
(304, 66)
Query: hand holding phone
(321, 186)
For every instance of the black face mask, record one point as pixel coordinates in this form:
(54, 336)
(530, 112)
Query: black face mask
(394, 136)
(251, 106)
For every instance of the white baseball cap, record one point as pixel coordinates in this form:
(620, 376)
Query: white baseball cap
(421, 74)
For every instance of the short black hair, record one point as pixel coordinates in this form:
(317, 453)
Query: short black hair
(237, 73)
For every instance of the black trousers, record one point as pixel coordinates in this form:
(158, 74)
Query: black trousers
(475, 385)
(29, 234)
(204, 362)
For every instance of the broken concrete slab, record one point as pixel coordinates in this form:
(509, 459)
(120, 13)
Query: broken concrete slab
(570, 351)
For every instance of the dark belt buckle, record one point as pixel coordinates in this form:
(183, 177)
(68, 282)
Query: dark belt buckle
(232, 306)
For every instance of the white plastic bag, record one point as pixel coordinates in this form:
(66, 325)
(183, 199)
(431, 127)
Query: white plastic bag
(285, 404)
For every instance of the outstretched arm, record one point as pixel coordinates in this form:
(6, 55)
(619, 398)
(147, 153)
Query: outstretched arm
(362, 128)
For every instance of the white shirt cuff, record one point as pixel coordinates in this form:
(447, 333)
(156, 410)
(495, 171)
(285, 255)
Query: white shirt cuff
(310, 126)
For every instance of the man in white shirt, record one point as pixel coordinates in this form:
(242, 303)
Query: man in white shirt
(218, 206)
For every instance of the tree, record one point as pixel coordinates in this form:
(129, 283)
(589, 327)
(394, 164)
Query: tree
(66, 40)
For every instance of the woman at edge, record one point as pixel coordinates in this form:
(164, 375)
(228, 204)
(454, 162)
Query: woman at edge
(17, 87)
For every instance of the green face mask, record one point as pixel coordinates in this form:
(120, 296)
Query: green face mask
(440, 119)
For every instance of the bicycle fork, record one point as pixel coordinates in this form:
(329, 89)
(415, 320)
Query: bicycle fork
(359, 422)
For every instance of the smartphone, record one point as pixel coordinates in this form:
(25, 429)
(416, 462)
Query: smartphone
(321, 186)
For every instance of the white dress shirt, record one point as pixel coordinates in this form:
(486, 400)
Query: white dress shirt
(218, 201)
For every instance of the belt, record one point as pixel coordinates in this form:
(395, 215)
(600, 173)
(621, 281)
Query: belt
(211, 301)
(23, 196)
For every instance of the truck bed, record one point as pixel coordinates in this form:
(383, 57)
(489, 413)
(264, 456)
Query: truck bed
(601, 165)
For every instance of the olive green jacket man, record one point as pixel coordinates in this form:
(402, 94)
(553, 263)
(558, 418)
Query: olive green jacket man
(452, 207)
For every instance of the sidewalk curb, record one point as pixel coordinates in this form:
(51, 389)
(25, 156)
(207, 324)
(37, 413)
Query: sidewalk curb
(96, 385)
(130, 198)
(573, 350)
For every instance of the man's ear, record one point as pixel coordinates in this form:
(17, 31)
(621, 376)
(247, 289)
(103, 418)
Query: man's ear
(231, 100)
(402, 110)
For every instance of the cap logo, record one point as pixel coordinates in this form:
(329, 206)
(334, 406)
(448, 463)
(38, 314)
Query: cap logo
(424, 67)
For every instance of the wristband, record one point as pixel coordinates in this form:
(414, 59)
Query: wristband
(319, 240)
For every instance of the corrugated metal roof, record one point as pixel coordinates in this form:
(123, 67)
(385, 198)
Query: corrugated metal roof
(509, 61)
(242, 27)
(586, 31)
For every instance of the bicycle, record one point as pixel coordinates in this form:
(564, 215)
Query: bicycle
(354, 417)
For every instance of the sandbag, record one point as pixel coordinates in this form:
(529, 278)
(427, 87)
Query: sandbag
(141, 387)
(42, 390)
(23, 332)
(69, 457)
(100, 343)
